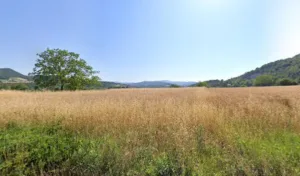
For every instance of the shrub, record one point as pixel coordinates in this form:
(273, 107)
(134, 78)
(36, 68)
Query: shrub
(20, 87)
(202, 84)
(264, 80)
(174, 86)
(286, 82)
(4, 87)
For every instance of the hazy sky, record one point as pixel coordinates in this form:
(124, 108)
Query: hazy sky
(136, 40)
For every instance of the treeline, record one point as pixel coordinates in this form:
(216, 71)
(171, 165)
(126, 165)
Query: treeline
(33, 87)
(262, 80)
(16, 86)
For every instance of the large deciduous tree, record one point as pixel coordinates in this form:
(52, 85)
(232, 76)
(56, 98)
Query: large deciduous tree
(56, 68)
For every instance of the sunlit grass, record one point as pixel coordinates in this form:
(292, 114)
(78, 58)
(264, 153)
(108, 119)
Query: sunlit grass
(174, 131)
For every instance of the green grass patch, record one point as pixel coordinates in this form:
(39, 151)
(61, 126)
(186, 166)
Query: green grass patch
(274, 153)
(53, 150)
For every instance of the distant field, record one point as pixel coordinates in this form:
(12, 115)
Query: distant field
(185, 131)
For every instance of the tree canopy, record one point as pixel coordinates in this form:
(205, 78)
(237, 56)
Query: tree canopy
(61, 69)
(281, 69)
(175, 86)
(201, 84)
(286, 82)
(264, 80)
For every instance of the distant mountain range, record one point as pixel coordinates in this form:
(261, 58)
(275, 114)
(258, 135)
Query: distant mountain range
(157, 84)
(181, 83)
(7, 74)
(286, 68)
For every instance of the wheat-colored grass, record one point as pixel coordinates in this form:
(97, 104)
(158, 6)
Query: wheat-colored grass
(162, 118)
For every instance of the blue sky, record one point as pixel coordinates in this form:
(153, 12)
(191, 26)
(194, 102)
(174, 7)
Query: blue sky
(136, 40)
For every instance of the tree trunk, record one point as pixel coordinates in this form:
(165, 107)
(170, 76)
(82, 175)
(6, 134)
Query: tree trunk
(62, 87)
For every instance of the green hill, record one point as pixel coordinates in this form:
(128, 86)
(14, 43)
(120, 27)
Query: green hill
(285, 68)
(281, 69)
(7, 73)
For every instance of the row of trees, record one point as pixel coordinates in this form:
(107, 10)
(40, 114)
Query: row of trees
(262, 80)
(18, 86)
(268, 80)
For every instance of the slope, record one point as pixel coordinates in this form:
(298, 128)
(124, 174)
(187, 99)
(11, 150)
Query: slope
(6, 73)
(285, 68)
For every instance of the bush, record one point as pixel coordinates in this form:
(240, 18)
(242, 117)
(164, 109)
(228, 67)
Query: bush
(202, 84)
(286, 82)
(264, 80)
(174, 86)
(4, 87)
(20, 87)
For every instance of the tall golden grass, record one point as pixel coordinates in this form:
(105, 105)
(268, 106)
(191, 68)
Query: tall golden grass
(164, 118)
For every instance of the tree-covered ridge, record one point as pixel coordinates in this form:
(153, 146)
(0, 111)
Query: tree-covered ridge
(287, 68)
(280, 71)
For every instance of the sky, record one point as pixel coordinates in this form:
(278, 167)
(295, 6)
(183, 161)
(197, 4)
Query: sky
(137, 40)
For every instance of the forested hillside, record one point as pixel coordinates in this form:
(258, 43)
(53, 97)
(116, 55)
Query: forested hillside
(286, 69)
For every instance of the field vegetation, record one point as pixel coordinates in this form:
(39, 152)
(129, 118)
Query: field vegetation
(184, 131)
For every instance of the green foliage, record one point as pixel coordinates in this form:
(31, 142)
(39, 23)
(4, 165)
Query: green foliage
(201, 84)
(286, 82)
(287, 68)
(174, 86)
(53, 150)
(16, 86)
(107, 85)
(56, 68)
(19, 87)
(216, 83)
(4, 87)
(272, 153)
(164, 165)
(50, 150)
(275, 153)
(264, 80)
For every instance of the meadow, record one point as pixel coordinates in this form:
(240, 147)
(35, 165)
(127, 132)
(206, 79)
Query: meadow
(179, 131)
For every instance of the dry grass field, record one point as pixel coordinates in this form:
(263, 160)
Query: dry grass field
(185, 131)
